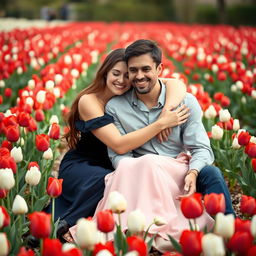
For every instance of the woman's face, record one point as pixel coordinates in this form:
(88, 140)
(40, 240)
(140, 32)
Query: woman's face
(117, 79)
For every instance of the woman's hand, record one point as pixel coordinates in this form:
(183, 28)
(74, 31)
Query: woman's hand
(172, 119)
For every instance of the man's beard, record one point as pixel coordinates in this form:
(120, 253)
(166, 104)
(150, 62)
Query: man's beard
(143, 90)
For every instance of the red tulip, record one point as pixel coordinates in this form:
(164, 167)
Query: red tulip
(4, 151)
(252, 251)
(105, 221)
(12, 133)
(254, 164)
(54, 187)
(240, 242)
(242, 225)
(72, 252)
(55, 131)
(24, 252)
(107, 246)
(137, 244)
(192, 206)
(221, 76)
(10, 120)
(248, 205)
(32, 125)
(6, 144)
(244, 138)
(8, 92)
(214, 203)
(250, 150)
(52, 247)
(40, 224)
(42, 142)
(191, 242)
(172, 254)
(225, 101)
(1, 99)
(23, 119)
(39, 115)
(3, 193)
(8, 162)
(6, 221)
(31, 164)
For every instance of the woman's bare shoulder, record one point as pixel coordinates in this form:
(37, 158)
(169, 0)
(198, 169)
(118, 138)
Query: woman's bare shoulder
(89, 107)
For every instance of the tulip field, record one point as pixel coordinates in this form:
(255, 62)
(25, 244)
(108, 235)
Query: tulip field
(41, 72)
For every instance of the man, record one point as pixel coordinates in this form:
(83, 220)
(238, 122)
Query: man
(142, 105)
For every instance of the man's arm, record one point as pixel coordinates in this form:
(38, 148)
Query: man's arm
(196, 141)
(113, 156)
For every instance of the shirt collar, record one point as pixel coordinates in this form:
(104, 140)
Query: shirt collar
(161, 99)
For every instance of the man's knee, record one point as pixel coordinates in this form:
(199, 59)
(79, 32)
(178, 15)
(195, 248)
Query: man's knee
(210, 172)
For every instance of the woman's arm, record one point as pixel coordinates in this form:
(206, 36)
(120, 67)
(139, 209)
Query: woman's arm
(89, 108)
(175, 92)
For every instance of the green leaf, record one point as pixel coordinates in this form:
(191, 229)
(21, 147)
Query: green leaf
(40, 203)
(149, 243)
(175, 244)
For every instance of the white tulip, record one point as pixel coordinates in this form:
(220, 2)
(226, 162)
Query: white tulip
(116, 202)
(58, 78)
(136, 221)
(224, 225)
(132, 253)
(74, 73)
(253, 139)
(4, 245)
(104, 252)
(67, 246)
(40, 97)
(215, 68)
(86, 233)
(49, 85)
(236, 125)
(54, 119)
(48, 155)
(31, 84)
(243, 100)
(254, 94)
(33, 176)
(217, 132)
(19, 205)
(7, 180)
(224, 115)
(16, 153)
(2, 84)
(210, 112)
(235, 144)
(159, 221)
(239, 85)
(253, 226)
(213, 245)
(56, 92)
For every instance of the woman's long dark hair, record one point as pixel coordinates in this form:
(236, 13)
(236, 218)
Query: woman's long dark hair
(98, 85)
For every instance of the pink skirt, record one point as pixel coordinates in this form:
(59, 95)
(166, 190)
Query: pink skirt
(152, 184)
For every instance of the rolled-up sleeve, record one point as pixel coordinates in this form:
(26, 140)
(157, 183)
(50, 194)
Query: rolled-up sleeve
(195, 138)
(113, 156)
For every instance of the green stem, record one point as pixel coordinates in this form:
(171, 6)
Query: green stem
(119, 219)
(146, 233)
(41, 246)
(53, 209)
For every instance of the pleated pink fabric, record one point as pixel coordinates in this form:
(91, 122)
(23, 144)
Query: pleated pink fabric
(152, 184)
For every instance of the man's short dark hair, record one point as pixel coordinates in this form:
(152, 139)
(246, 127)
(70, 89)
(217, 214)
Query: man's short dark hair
(144, 46)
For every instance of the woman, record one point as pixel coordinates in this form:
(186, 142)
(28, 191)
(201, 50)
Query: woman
(85, 165)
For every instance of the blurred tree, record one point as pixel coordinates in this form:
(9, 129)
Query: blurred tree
(222, 12)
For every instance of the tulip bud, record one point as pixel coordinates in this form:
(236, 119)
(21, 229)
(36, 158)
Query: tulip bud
(7, 180)
(4, 244)
(68, 246)
(16, 153)
(213, 245)
(235, 144)
(19, 205)
(132, 253)
(136, 221)
(33, 176)
(48, 155)
(86, 233)
(253, 226)
(54, 187)
(105, 221)
(49, 85)
(254, 94)
(253, 139)
(54, 119)
(217, 132)
(159, 221)
(40, 97)
(224, 225)
(116, 202)
(224, 115)
(236, 125)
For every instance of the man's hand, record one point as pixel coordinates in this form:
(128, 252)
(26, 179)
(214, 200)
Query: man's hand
(190, 184)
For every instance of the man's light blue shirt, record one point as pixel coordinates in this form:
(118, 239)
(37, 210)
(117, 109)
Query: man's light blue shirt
(131, 114)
